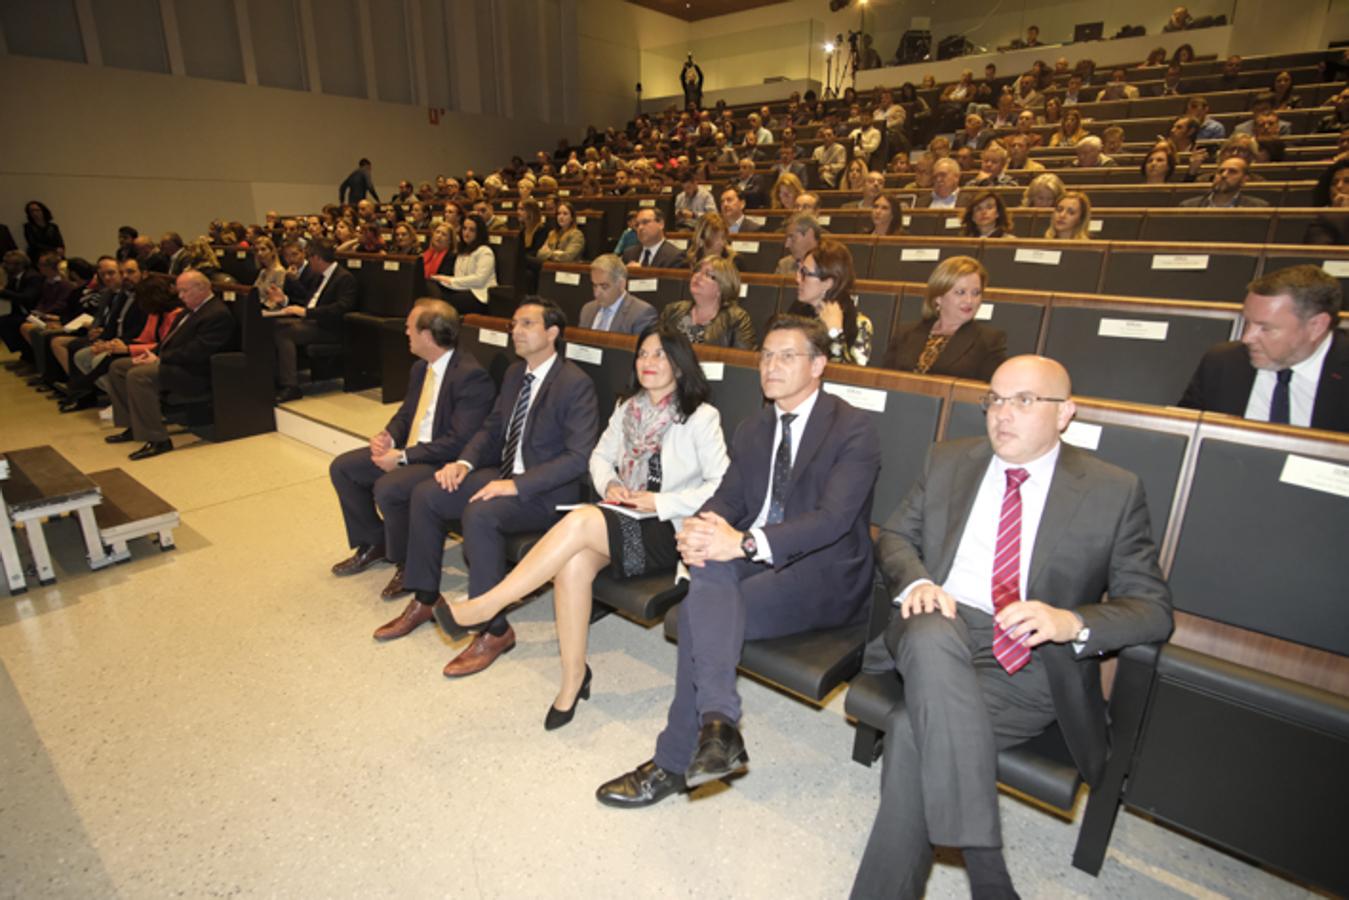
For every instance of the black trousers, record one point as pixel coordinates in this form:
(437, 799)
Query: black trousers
(374, 502)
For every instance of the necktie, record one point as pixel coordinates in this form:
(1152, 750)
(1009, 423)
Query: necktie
(423, 403)
(516, 426)
(782, 473)
(1012, 654)
(646, 257)
(606, 317)
(1279, 404)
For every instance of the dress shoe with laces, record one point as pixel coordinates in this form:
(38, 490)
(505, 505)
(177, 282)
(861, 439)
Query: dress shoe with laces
(395, 588)
(365, 556)
(645, 785)
(721, 752)
(480, 654)
(151, 448)
(121, 437)
(556, 718)
(414, 615)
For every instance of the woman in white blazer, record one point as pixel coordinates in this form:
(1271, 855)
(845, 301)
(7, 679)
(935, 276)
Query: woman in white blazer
(475, 269)
(661, 458)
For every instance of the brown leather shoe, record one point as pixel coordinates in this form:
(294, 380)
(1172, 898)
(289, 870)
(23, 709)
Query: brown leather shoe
(394, 589)
(412, 616)
(480, 654)
(365, 556)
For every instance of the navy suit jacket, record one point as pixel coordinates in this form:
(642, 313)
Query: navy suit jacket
(462, 403)
(633, 315)
(338, 299)
(825, 530)
(1223, 381)
(560, 432)
(185, 356)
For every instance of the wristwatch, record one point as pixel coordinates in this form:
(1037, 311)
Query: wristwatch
(403, 458)
(749, 546)
(1084, 634)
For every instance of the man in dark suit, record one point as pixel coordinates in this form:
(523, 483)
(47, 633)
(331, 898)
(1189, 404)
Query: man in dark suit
(613, 308)
(182, 365)
(1291, 365)
(652, 251)
(733, 203)
(751, 185)
(117, 326)
(782, 547)
(318, 320)
(945, 193)
(171, 246)
(530, 455)
(356, 185)
(998, 558)
(448, 397)
(21, 290)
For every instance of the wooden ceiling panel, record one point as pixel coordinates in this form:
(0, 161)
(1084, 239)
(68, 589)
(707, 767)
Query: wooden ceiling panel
(694, 10)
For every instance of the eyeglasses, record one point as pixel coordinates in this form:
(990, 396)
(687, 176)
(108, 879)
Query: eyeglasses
(817, 274)
(1022, 401)
(786, 357)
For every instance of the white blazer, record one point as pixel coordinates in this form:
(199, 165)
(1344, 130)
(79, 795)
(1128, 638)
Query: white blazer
(476, 272)
(692, 461)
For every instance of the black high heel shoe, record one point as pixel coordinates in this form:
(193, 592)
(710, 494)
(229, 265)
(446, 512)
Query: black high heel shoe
(556, 718)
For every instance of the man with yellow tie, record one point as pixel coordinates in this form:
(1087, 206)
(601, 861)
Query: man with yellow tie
(449, 396)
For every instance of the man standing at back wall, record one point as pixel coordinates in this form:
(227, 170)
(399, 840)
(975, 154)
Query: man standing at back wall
(357, 184)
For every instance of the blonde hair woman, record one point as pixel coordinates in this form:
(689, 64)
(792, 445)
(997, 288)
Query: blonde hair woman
(1072, 218)
(948, 340)
(710, 238)
(714, 315)
(270, 271)
(786, 189)
(1044, 192)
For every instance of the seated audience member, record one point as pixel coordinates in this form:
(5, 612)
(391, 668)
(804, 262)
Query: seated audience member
(613, 308)
(830, 156)
(714, 315)
(752, 186)
(566, 242)
(1026, 95)
(1159, 165)
(1072, 218)
(271, 274)
(922, 173)
(652, 250)
(803, 234)
(369, 240)
(200, 255)
(475, 269)
(1043, 192)
(1332, 190)
(945, 193)
(124, 322)
(887, 216)
(1183, 134)
(986, 217)
(1070, 130)
(1209, 128)
(1230, 79)
(873, 185)
(1157, 57)
(693, 200)
(663, 453)
(1089, 155)
(628, 238)
(1118, 88)
(939, 147)
(824, 291)
(1112, 140)
(807, 203)
(1338, 120)
(23, 291)
(1180, 20)
(710, 238)
(733, 202)
(96, 301)
(448, 397)
(1291, 365)
(405, 241)
(316, 320)
(1263, 119)
(529, 456)
(345, 237)
(41, 234)
(769, 556)
(965, 157)
(1282, 91)
(147, 251)
(1025, 128)
(180, 365)
(854, 177)
(948, 340)
(57, 303)
(529, 241)
(785, 191)
(439, 256)
(974, 135)
(482, 208)
(961, 91)
(866, 139)
(126, 243)
(1006, 114)
(993, 168)
(1018, 155)
(1171, 85)
(1227, 184)
(987, 665)
(788, 164)
(1073, 93)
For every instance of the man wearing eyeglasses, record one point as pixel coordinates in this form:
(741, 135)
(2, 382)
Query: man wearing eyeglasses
(782, 547)
(998, 558)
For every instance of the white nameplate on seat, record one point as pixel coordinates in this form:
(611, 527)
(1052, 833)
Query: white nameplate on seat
(581, 353)
(870, 399)
(954, 222)
(1135, 329)
(580, 220)
(494, 338)
(667, 190)
(567, 277)
(508, 204)
(745, 246)
(984, 312)
(240, 254)
(642, 285)
(1316, 475)
(920, 254)
(1039, 257)
(564, 192)
(1095, 226)
(824, 220)
(647, 202)
(1082, 434)
(391, 266)
(681, 243)
(353, 264)
(436, 220)
(494, 239)
(228, 296)
(714, 371)
(421, 239)
(744, 291)
(1181, 262)
(906, 221)
(1336, 268)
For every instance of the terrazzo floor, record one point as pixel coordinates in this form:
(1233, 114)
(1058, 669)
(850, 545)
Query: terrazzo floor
(216, 721)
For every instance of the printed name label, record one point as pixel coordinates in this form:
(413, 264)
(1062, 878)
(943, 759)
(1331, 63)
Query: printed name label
(954, 222)
(745, 246)
(681, 243)
(391, 266)
(492, 338)
(494, 239)
(228, 296)
(567, 277)
(984, 312)
(581, 353)
(1181, 262)
(353, 264)
(1039, 257)
(920, 254)
(1082, 434)
(714, 371)
(1135, 329)
(1336, 268)
(642, 285)
(869, 399)
(1316, 475)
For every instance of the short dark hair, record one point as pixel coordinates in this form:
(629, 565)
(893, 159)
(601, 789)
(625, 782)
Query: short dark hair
(324, 248)
(81, 268)
(153, 295)
(553, 317)
(816, 335)
(1312, 290)
(691, 387)
(128, 231)
(364, 162)
(654, 210)
(439, 318)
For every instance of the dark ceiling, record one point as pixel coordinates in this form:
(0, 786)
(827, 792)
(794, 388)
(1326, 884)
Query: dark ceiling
(693, 10)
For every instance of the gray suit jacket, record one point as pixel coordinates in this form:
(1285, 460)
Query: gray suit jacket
(1094, 539)
(632, 316)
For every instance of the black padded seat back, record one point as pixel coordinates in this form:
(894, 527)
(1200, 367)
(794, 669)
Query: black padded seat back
(1020, 319)
(592, 223)
(1205, 225)
(569, 289)
(761, 302)
(1111, 225)
(920, 223)
(735, 393)
(491, 347)
(1151, 363)
(1044, 265)
(915, 258)
(1290, 226)
(645, 598)
(609, 367)
(757, 254)
(238, 263)
(843, 222)
(861, 248)
(1133, 197)
(1143, 272)
(506, 250)
(1333, 261)
(1258, 549)
(387, 286)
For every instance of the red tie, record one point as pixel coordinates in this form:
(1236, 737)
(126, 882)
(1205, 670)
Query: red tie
(1011, 653)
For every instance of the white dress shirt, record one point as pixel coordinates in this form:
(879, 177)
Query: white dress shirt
(798, 426)
(323, 282)
(539, 373)
(1301, 388)
(943, 203)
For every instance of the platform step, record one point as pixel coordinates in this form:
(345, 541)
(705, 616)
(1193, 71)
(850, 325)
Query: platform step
(131, 510)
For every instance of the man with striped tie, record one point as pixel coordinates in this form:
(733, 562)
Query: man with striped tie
(530, 455)
(998, 558)
(448, 397)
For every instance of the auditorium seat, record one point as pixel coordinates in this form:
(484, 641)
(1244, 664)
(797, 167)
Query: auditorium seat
(1073, 266)
(1199, 272)
(1020, 315)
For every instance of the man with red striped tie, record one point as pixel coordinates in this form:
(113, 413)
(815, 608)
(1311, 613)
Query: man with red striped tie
(999, 558)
